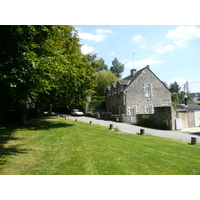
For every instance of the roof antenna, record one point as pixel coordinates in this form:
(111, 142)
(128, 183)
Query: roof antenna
(133, 60)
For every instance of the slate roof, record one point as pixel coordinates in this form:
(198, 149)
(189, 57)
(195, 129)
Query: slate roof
(189, 106)
(114, 85)
(129, 79)
(123, 82)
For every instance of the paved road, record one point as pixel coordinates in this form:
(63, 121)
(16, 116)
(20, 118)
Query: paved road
(184, 135)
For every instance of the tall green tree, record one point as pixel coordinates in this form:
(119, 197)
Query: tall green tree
(174, 87)
(42, 65)
(103, 79)
(97, 64)
(117, 68)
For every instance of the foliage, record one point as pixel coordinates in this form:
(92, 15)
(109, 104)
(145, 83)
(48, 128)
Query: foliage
(42, 65)
(148, 121)
(103, 79)
(97, 103)
(117, 68)
(174, 87)
(65, 147)
(97, 64)
(178, 96)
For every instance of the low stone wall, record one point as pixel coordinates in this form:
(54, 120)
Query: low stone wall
(129, 119)
(163, 118)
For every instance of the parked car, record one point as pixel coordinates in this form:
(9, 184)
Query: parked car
(76, 112)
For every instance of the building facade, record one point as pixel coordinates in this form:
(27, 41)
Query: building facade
(138, 93)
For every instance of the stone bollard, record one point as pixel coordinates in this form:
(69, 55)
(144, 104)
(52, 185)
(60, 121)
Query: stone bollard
(76, 120)
(57, 116)
(111, 126)
(142, 131)
(90, 122)
(194, 140)
(65, 118)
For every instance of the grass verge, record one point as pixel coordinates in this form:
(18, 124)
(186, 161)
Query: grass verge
(64, 147)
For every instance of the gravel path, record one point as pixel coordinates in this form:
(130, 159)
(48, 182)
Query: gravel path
(183, 135)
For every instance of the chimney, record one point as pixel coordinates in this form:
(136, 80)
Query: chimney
(133, 71)
(148, 66)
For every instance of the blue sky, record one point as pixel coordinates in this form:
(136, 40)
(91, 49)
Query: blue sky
(173, 52)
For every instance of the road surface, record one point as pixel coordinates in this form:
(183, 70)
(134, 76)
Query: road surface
(183, 135)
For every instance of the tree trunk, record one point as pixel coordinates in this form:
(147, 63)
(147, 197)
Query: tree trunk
(24, 113)
(50, 110)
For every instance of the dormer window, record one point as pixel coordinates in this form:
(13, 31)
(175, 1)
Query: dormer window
(148, 90)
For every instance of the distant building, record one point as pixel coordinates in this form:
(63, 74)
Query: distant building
(189, 115)
(195, 97)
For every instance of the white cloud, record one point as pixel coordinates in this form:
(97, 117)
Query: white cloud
(143, 46)
(181, 43)
(182, 34)
(101, 31)
(91, 37)
(178, 79)
(142, 63)
(99, 36)
(112, 53)
(163, 49)
(138, 38)
(85, 49)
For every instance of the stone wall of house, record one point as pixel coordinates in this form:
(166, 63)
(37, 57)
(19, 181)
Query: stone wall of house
(163, 118)
(115, 104)
(135, 93)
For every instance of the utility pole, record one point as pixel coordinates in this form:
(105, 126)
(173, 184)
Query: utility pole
(133, 60)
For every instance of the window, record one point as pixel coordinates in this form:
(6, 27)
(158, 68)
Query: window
(148, 110)
(147, 90)
(132, 111)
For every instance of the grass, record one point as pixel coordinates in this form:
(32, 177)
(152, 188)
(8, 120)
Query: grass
(57, 146)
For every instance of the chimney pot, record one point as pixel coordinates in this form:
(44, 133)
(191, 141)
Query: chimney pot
(133, 71)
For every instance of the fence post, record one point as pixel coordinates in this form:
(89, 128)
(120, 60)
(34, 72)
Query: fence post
(90, 122)
(142, 131)
(194, 140)
(111, 126)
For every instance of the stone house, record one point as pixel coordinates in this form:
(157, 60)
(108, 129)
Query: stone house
(136, 94)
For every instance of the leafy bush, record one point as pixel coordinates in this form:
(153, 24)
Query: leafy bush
(97, 103)
(148, 121)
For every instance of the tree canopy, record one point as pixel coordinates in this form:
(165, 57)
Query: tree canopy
(178, 96)
(117, 68)
(42, 65)
(174, 87)
(97, 64)
(103, 79)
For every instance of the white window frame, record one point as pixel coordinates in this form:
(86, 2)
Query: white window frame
(148, 110)
(147, 90)
(132, 111)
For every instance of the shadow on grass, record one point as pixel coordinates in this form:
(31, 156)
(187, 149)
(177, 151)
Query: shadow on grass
(37, 125)
(7, 135)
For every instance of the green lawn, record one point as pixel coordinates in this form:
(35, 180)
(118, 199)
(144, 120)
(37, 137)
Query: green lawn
(58, 146)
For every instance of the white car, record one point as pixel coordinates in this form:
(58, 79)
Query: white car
(77, 112)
